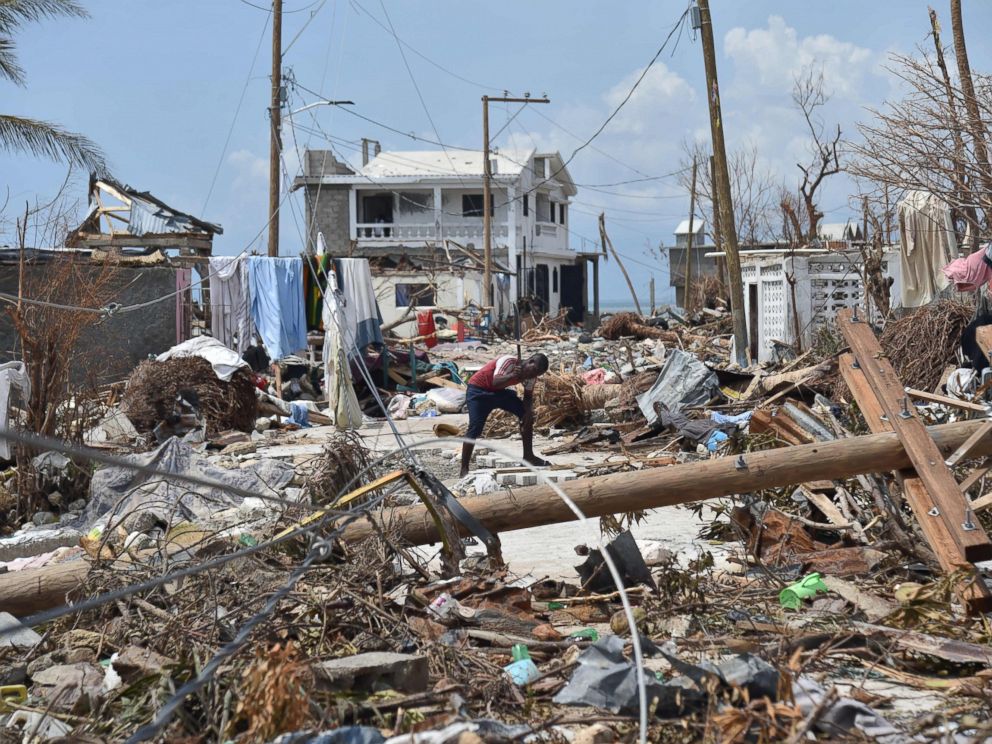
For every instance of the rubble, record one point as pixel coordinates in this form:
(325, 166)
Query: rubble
(390, 640)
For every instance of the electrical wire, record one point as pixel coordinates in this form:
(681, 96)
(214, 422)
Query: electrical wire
(416, 87)
(355, 4)
(234, 121)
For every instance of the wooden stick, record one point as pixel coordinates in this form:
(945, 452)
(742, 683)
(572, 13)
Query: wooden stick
(964, 405)
(965, 449)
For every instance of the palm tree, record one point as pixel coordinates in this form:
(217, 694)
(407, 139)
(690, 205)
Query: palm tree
(21, 134)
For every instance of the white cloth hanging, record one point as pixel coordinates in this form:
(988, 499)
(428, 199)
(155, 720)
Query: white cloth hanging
(12, 375)
(230, 308)
(343, 406)
(928, 242)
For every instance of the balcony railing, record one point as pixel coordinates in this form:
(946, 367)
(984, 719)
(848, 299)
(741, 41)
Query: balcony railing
(383, 231)
(547, 229)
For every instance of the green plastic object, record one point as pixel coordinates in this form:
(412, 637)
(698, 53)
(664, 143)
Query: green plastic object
(791, 598)
(556, 605)
(519, 652)
(586, 633)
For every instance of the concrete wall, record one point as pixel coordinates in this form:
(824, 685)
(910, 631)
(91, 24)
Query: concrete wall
(331, 206)
(108, 351)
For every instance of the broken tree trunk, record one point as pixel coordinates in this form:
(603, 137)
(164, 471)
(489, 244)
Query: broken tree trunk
(679, 484)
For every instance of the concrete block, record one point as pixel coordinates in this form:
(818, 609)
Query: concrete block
(36, 542)
(373, 671)
(23, 637)
(485, 461)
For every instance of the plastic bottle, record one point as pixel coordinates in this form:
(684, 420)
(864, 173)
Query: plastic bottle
(522, 670)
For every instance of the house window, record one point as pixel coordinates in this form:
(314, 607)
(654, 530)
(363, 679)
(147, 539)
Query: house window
(552, 213)
(526, 205)
(416, 202)
(554, 280)
(561, 213)
(543, 208)
(472, 205)
(417, 295)
(539, 167)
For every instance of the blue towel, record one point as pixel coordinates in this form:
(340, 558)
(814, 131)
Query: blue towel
(277, 309)
(300, 415)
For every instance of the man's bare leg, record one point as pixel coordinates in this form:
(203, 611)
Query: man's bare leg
(467, 448)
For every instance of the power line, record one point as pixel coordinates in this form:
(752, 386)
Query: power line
(237, 112)
(423, 56)
(413, 80)
(269, 10)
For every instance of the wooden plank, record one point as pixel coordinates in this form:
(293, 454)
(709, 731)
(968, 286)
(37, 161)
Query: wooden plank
(964, 405)
(976, 475)
(949, 554)
(982, 503)
(943, 491)
(965, 449)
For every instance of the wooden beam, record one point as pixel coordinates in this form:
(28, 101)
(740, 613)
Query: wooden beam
(949, 554)
(517, 509)
(118, 240)
(965, 449)
(944, 501)
(964, 405)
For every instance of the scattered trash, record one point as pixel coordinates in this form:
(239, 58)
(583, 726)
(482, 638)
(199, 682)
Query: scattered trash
(791, 598)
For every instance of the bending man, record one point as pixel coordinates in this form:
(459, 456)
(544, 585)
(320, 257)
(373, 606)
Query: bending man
(490, 388)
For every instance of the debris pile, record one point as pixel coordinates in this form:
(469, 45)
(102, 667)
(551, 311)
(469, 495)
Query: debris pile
(288, 582)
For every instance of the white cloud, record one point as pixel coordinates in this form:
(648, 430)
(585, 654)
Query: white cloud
(654, 98)
(777, 54)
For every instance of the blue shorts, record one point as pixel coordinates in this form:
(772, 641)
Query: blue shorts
(483, 402)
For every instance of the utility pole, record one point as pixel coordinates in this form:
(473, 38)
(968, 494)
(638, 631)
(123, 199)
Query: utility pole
(722, 185)
(487, 217)
(275, 123)
(717, 242)
(688, 248)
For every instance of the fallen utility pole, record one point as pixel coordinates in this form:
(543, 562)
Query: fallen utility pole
(487, 206)
(721, 186)
(33, 590)
(678, 484)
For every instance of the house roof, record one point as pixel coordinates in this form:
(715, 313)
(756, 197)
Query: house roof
(444, 163)
(418, 165)
(698, 226)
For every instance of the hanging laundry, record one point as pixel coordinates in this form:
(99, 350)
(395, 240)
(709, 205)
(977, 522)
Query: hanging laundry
(362, 320)
(926, 234)
(12, 374)
(343, 406)
(968, 274)
(315, 281)
(230, 309)
(276, 290)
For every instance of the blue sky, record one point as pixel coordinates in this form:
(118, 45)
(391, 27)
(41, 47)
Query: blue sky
(157, 85)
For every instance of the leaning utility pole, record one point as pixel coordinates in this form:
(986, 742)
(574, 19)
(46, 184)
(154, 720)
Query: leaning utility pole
(688, 248)
(722, 186)
(275, 123)
(487, 217)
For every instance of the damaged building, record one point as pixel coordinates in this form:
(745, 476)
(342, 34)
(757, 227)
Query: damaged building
(418, 217)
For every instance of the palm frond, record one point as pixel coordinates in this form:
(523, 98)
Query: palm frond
(14, 13)
(8, 62)
(49, 140)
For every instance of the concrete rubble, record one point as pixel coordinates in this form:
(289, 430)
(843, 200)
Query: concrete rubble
(517, 636)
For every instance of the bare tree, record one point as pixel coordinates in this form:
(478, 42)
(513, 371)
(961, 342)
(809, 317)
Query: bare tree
(752, 186)
(916, 143)
(802, 214)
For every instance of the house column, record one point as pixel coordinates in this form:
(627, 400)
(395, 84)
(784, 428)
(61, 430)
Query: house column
(352, 213)
(438, 232)
(511, 238)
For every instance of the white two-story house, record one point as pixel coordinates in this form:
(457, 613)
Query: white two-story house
(418, 217)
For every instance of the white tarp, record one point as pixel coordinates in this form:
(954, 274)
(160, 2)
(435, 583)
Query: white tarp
(224, 361)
